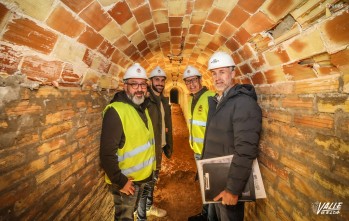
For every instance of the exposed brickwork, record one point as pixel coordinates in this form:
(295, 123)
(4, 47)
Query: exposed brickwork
(49, 136)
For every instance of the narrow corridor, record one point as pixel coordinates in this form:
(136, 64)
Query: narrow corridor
(177, 191)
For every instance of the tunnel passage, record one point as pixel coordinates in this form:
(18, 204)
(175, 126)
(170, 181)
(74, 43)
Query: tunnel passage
(174, 96)
(62, 61)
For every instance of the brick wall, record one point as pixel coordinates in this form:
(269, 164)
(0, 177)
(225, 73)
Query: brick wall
(49, 155)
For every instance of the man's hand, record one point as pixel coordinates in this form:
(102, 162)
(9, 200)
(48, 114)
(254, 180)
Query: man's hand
(128, 189)
(227, 198)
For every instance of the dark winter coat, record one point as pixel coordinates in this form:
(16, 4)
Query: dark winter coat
(155, 116)
(233, 127)
(113, 137)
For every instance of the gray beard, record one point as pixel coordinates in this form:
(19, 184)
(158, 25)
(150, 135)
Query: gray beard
(136, 100)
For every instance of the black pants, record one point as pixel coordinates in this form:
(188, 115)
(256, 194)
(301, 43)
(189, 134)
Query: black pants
(230, 213)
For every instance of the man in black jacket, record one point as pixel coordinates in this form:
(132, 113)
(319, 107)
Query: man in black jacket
(160, 114)
(233, 127)
(127, 150)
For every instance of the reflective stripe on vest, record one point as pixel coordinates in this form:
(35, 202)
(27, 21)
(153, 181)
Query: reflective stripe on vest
(197, 122)
(136, 158)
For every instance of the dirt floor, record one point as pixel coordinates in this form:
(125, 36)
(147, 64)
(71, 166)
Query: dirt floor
(177, 191)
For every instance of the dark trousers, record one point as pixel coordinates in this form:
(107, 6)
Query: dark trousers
(230, 213)
(146, 198)
(124, 204)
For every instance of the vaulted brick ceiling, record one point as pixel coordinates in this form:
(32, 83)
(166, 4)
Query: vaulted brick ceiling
(177, 33)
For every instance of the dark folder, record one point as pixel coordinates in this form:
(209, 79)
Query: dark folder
(215, 178)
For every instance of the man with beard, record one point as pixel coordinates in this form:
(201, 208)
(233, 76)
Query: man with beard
(127, 150)
(197, 115)
(160, 114)
(233, 127)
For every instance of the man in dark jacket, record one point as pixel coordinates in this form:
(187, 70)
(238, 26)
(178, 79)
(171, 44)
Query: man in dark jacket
(127, 150)
(233, 127)
(160, 114)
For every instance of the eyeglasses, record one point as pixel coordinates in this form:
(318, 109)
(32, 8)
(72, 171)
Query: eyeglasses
(136, 85)
(194, 81)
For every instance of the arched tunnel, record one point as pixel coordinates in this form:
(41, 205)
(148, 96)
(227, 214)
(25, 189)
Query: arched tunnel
(61, 62)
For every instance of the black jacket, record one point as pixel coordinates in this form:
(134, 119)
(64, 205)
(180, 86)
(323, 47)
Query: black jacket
(155, 115)
(233, 127)
(113, 137)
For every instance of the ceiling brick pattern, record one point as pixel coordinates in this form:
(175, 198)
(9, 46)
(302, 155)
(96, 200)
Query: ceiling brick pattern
(268, 39)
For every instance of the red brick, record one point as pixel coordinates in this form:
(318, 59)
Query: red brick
(203, 5)
(277, 56)
(258, 62)
(237, 16)
(90, 38)
(64, 22)
(53, 170)
(95, 16)
(50, 146)
(57, 130)
(274, 75)
(340, 58)
(135, 56)
(175, 22)
(212, 46)
(106, 49)
(246, 69)
(176, 31)
(257, 23)
(155, 4)
(236, 57)
(195, 29)
(298, 72)
(298, 103)
(337, 29)
(130, 50)
(69, 76)
(210, 28)
(3, 12)
(226, 30)
(151, 36)
(321, 85)
(27, 33)
(142, 13)
(143, 45)
(175, 40)
(250, 6)
(314, 121)
(233, 45)
(77, 6)
(216, 15)
(9, 59)
(40, 70)
(274, 167)
(258, 78)
(242, 36)
(26, 170)
(23, 107)
(162, 28)
(120, 12)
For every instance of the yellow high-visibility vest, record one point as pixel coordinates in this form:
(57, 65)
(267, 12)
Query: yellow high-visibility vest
(197, 122)
(137, 157)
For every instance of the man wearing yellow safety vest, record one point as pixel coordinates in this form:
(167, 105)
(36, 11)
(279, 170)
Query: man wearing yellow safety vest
(127, 150)
(197, 116)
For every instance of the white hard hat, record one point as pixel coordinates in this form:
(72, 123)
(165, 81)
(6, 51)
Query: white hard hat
(190, 71)
(157, 72)
(220, 59)
(135, 71)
